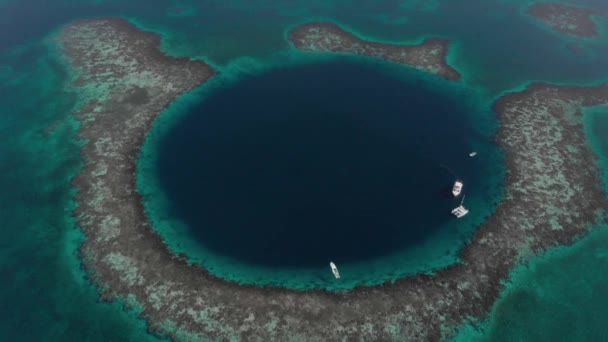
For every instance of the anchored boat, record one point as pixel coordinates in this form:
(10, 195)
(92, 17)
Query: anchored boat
(460, 211)
(334, 270)
(472, 154)
(457, 188)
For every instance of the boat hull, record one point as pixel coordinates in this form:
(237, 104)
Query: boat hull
(334, 270)
(457, 188)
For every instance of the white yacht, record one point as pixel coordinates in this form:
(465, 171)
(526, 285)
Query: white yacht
(334, 269)
(472, 154)
(460, 211)
(457, 188)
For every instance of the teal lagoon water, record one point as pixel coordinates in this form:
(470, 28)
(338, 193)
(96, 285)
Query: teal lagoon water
(45, 294)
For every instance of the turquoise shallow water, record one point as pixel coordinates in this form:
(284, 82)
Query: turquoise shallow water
(44, 288)
(560, 296)
(45, 295)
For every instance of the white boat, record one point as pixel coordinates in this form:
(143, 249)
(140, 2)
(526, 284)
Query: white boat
(457, 188)
(460, 211)
(472, 154)
(334, 269)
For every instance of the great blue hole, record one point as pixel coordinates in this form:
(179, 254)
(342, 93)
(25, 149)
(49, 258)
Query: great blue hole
(334, 160)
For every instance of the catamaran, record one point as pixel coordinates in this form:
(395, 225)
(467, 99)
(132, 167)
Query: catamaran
(457, 188)
(460, 211)
(334, 269)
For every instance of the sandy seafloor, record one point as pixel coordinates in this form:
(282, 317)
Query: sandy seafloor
(45, 295)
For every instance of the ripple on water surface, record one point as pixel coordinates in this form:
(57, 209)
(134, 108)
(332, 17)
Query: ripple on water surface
(339, 160)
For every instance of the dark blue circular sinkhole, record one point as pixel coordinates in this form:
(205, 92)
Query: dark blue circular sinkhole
(326, 161)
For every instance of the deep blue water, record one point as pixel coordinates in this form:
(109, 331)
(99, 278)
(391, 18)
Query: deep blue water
(323, 161)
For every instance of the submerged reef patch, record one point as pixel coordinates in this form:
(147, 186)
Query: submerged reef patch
(553, 193)
(430, 55)
(570, 20)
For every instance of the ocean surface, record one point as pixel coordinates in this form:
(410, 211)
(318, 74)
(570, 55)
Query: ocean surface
(45, 294)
